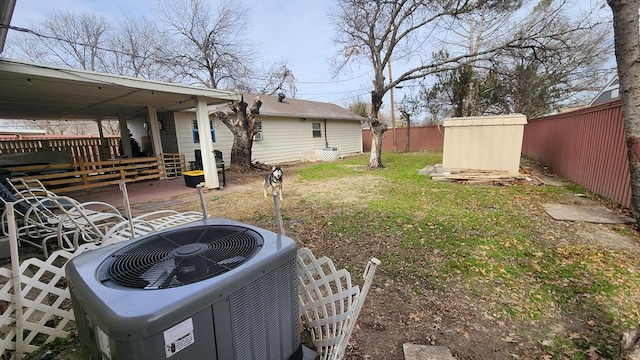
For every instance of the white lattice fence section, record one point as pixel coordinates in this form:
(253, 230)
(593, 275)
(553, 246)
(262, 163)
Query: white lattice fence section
(46, 305)
(320, 155)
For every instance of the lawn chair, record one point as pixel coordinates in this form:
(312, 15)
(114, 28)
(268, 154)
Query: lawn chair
(329, 302)
(42, 216)
(82, 222)
(147, 223)
(26, 232)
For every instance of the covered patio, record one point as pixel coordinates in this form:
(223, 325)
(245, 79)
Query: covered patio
(36, 91)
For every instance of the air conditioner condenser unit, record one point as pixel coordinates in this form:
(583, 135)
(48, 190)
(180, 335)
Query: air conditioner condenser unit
(212, 289)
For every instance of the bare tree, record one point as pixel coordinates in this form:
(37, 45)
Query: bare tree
(278, 78)
(66, 38)
(360, 107)
(410, 107)
(243, 131)
(210, 49)
(374, 31)
(627, 48)
(139, 50)
(212, 52)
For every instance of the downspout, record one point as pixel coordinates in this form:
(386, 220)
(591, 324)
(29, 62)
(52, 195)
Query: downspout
(326, 141)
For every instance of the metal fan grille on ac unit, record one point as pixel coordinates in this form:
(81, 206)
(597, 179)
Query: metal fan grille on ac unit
(180, 257)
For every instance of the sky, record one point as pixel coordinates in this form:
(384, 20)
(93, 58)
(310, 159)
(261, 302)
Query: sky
(295, 32)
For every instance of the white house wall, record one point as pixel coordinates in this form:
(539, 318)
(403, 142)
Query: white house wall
(284, 140)
(184, 127)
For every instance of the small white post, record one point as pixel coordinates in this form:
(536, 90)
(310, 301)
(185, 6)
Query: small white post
(17, 283)
(127, 205)
(205, 214)
(276, 204)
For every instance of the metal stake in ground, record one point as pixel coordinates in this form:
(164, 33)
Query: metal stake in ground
(202, 203)
(127, 205)
(276, 204)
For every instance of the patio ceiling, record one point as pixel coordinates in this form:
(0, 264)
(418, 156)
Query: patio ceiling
(35, 91)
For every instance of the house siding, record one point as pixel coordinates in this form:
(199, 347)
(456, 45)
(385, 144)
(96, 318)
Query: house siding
(284, 139)
(184, 125)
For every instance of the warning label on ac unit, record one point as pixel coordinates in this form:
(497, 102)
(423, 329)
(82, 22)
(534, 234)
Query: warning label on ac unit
(178, 337)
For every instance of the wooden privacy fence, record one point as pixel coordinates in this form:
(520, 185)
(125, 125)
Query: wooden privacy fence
(586, 146)
(422, 138)
(84, 175)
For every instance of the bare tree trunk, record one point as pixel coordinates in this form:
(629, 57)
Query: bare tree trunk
(377, 132)
(625, 26)
(375, 159)
(407, 136)
(627, 47)
(242, 129)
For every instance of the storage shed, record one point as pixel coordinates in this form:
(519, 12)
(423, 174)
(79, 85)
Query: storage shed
(490, 143)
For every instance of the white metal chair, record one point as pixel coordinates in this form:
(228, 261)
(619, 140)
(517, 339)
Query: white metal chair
(83, 222)
(42, 216)
(329, 302)
(147, 223)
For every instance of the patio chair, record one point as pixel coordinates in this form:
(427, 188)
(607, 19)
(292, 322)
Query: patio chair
(30, 189)
(42, 216)
(329, 302)
(21, 207)
(82, 222)
(147, 223)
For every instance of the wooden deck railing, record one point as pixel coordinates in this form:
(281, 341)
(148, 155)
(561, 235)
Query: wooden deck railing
(77, 147)
(85, 175)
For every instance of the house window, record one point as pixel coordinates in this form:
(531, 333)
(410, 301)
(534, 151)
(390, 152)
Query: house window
(257, 130)
(317, 132)
(615, 93)
(196, 134)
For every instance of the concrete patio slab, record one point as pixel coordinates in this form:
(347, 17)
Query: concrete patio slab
(426, 352)
(592, 214)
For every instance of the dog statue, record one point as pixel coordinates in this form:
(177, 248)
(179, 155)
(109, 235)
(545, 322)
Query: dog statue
(273, 180)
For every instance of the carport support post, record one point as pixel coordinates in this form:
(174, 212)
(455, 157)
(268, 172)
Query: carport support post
(124, 136)
(208, 159)
(152, 116)
(104, 148)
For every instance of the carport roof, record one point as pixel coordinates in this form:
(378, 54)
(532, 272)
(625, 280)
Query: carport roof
(36, 91)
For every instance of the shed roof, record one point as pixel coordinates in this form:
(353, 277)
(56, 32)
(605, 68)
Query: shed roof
(496, 120)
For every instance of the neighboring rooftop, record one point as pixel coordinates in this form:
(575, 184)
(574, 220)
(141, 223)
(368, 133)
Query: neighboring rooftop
(610, 92)
(296, 108)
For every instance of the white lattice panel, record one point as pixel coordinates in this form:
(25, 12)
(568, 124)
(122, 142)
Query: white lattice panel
(46, 304)
(319, 155)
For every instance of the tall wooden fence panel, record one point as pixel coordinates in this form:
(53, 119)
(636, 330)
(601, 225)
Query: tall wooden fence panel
(586, 146)
(422, 138)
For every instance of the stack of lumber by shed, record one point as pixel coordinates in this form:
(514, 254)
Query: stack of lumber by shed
(440, 173)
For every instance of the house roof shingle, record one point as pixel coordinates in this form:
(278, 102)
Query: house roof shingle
(297, 108)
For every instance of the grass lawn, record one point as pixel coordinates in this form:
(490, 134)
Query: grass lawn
(481, 269)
